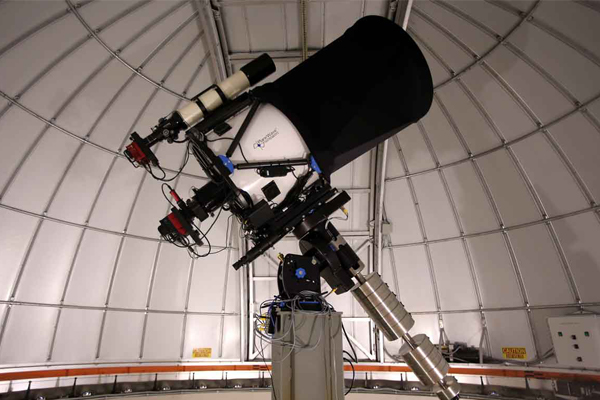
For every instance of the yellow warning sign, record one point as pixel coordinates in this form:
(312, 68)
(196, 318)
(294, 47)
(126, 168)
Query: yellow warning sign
(514, 353)
(202, 352)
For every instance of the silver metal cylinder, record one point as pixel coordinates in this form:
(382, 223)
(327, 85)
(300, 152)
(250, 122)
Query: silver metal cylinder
(383, 307)
(425, 360)
(449, 390)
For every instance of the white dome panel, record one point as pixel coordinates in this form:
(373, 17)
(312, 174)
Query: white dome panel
(469, 117)
(508, 189)
(578, 237)
(162, 337)
(415, 284)
(435, 208)
(132, 275)
(510, 329)
(32, 325)
(555, 187)
(120, 336)
(494, 271)
(47, 263)
(540, 267)
(452, 273)
(92, 268)
(469, 199)
(76, 336)
(15, 237)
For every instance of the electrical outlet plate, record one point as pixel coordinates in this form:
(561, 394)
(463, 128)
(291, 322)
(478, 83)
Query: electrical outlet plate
(576, 340)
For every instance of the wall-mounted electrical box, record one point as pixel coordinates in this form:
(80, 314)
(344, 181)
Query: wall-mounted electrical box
(576, 340)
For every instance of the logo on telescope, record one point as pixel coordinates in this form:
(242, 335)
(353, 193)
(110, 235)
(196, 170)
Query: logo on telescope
(260, 143)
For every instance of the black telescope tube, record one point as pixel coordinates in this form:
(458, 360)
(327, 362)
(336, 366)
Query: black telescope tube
(259, 68)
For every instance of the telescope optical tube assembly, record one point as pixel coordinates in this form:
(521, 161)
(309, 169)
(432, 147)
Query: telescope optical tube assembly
(390, 316)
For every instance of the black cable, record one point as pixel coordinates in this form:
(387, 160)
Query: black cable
(162, 189)
(350, 343)
(353, 376)
(226, 236)
(185, 161)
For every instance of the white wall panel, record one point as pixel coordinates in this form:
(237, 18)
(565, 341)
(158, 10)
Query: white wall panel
(579, 140)
(543, 98)
(414, 279)
(132, 278)
(452, 275)
(494, 18)
(77, 335)
(265, 36)
(504, 111)
(436, 210)
(467, 33)
(171, 279)
(202, 332)
(117, 196)
(445, 142)
(509, 329)
(13, 146)
(92, 269)
(122, 335)
(98, 12)
(418, 158)
(27, 335)
(551, 53)
(160, 64)
(149, 209)
(553, 183)
(399, 206)
(120, 33)
(112, 130)
(34, 54)
(438, 72)
(56, 149)
(208, 283)
(471, 202)
(47, 267)
(476, 131)
(69, 76)
(575, 21)
(186, 70)
(544, 277)
(507, 188)
(580, 239)
(340, 16)
(463, 328)
(443, 46)
(14, 238)
(80, 186)
(18, 17)
(163, 337)
(495, 273)
(80, 115)
(237, 39)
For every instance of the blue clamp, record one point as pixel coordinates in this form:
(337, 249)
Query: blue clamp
(227, 162)
(300, 273)
(314, 165)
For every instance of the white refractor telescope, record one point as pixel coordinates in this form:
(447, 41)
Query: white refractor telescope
(269, 154)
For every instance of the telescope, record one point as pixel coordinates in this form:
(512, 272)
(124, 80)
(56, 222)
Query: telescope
(269, 153)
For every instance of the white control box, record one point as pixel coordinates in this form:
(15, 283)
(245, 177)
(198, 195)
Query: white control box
(576, 340)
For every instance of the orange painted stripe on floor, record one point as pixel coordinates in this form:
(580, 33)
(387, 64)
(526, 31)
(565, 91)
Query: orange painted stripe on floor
(146, 369)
